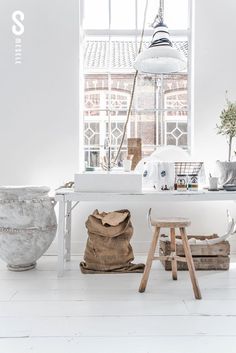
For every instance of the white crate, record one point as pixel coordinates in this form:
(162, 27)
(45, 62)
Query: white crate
(112, 182)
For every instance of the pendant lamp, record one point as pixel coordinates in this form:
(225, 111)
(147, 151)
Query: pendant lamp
(160, 57)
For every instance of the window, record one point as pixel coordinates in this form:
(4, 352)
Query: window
(160, 111)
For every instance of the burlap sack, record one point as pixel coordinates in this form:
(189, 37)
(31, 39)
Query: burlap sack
(108, 246)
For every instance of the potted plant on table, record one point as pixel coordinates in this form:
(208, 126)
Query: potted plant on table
(227, 126)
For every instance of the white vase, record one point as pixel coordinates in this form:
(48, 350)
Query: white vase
(27, 225)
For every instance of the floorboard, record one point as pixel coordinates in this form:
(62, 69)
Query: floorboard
(40, 313)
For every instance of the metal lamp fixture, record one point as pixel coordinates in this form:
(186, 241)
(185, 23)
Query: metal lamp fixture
(160, 57)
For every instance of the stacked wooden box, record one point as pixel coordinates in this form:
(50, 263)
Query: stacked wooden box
(205, 257)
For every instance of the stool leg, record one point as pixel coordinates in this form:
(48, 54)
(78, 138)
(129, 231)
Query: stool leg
(173, 251)
(190, 263)
(148, 265)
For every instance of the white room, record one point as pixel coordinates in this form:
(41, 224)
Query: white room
(118, 120)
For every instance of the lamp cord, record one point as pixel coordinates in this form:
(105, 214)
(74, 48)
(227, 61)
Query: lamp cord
(133, 87)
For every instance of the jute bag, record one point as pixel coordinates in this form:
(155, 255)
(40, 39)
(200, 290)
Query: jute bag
(108, 246)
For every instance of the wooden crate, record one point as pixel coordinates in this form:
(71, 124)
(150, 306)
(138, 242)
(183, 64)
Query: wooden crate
(205, 257)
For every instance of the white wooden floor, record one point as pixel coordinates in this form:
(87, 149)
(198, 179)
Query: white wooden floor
(105, 313)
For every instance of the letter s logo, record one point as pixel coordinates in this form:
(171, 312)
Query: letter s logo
(18, 18)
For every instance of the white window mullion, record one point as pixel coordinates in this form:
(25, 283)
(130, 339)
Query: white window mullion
(162, 114)
(109, 75)
(103, 120)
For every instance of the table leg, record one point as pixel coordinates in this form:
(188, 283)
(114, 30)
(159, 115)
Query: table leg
(61, 237)
(68, 231)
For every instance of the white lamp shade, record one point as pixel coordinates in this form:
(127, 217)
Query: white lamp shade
(160, 60)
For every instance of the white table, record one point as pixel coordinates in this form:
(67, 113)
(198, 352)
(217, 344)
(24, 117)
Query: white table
(68, 199)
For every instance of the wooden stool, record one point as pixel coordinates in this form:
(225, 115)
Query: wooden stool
(171, 223)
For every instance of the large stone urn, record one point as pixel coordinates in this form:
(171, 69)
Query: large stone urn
(27, 225)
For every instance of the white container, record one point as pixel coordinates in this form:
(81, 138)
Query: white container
(158, 174)
(112, 182)
(213, 183)
(127, 163)
(27, 225)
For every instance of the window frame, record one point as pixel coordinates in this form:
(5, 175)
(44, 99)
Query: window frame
(135, 33)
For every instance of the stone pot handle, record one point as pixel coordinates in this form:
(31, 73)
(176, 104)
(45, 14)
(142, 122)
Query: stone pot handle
(53, 201)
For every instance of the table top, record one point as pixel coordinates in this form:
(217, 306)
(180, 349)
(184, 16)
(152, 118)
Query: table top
(150, 195)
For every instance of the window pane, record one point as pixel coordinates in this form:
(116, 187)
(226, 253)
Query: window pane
(144, 125)
(183, 126)
(92, 101)
(91, 133)
(175, 92)
(96, 87)
(92, 158)
(96, 55)
(95, 18)
(175, 81)
(183, 140)
(96, 83)
(118, 101)
(152, 10)
(171, 140)
(123, 53)
(123, 14)
(145, 92)
(175, 13)
(116, 132)
(176, 99)
(121, 86)
(176, 133)
(122, 155)
(170, 127)
(119, 56)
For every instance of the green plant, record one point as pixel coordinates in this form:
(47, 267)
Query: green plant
(227, 126)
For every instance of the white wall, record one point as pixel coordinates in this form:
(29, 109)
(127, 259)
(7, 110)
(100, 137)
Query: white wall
(38, 135)
(215, 57)
(39, 129)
